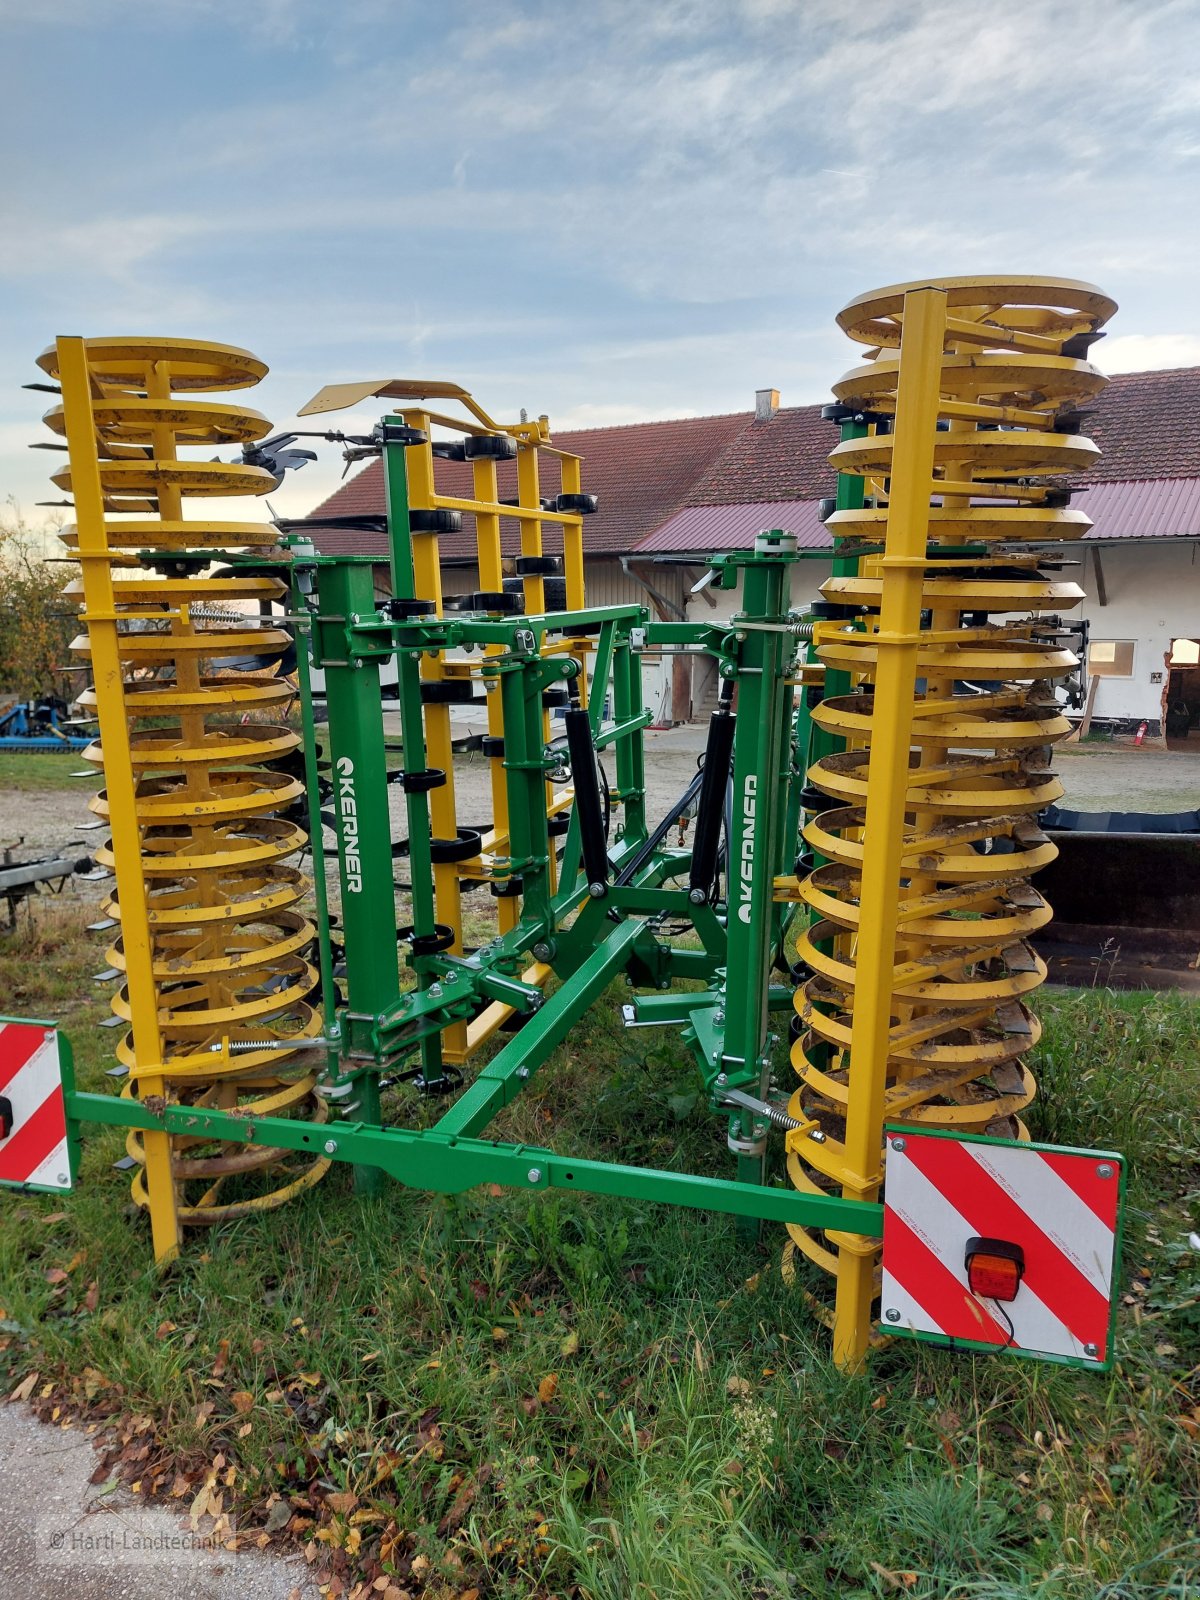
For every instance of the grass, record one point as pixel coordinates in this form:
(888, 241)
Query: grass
(31, 772)
(571, 1396)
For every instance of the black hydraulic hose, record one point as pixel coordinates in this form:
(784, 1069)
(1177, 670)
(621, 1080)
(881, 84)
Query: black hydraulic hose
(644, 851)
(722, 863)
(589, 807)
(710, 816)
(606, 796)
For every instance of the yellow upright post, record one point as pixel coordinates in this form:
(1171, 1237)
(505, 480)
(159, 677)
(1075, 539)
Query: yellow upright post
(897, 641)
(439, 736)
(100, 612)
(529, 496)
(491, 578)
(572, 483)
(916, 939)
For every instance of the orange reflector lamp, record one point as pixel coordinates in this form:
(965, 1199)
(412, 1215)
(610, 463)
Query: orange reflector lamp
(994, 1268)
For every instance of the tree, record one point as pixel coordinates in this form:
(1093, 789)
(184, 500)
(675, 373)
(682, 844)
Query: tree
(37, 623)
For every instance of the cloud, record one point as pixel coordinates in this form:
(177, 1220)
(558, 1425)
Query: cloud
(1141, 352)
(113, 246)
(608, 212)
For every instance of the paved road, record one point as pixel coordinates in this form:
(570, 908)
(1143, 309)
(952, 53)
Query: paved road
(60, 1541)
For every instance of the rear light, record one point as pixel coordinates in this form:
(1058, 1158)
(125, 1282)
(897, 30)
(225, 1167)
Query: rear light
(994, 1268)
(6, 1117)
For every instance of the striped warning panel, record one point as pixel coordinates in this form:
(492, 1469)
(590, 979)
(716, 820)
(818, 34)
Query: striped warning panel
(1060, 1206)
(34, 1154)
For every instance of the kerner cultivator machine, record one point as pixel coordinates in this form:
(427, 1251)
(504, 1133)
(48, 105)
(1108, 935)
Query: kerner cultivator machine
(859, 873)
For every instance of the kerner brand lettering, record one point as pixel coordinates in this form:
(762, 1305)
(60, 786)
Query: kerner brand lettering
(746, 863)
(348, 818)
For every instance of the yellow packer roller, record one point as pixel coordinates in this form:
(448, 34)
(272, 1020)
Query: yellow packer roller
(213, 945)
(921, 908)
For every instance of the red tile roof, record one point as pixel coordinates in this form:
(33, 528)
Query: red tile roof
(785, 458)
(642, 473)
(649, 475)
(1147, 425)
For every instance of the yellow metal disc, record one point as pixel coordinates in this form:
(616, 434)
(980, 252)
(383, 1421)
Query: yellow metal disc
(1011, 451)
(1066, 305)
(193, 365)
(134, 419)
(186, 1009)
(246, 842)
(157, 534)
(955, 726)
(236, 793)
(1027, 592)
(981, 523)
(220, 744)
(129, 480)
(1035, 382)
(219, 896)
(245, 690)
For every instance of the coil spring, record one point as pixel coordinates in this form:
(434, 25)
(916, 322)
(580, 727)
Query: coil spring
(229, 942)
(1011, 380)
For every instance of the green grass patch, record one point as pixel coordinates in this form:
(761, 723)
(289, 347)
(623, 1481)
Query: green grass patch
(48, 770)
(575, 1396)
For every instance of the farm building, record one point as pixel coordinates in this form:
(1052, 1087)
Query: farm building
(673, 492)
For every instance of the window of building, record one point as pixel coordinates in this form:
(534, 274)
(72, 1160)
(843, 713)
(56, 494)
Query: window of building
(1110, 658)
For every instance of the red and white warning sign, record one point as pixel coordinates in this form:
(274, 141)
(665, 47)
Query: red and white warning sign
(34, 1150)
(992, 1243)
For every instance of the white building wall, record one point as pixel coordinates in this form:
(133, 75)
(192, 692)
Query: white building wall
(807, 576)
(1153, 594)
(1152, 589)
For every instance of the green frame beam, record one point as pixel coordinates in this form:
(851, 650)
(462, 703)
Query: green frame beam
(452, 1164)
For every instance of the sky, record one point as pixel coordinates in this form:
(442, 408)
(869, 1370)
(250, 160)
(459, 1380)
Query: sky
(605, 211)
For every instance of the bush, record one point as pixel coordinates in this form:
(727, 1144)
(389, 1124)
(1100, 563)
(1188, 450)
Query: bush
(36, 623)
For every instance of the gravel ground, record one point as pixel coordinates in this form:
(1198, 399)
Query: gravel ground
(1121, 778)
(61, 1540)
(670, 766)
(1096, 778)
(47, 819)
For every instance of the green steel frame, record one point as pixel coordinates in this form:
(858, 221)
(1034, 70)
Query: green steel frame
(588, 933)
(716, 990)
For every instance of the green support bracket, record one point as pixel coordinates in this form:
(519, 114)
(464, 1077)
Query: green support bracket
(345, 591)
(763, 708)
(445, 1163)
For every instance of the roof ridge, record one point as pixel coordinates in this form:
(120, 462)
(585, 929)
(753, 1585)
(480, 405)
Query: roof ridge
(647, 472)
(686, 493)
(655, 422)
(1150, 372)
